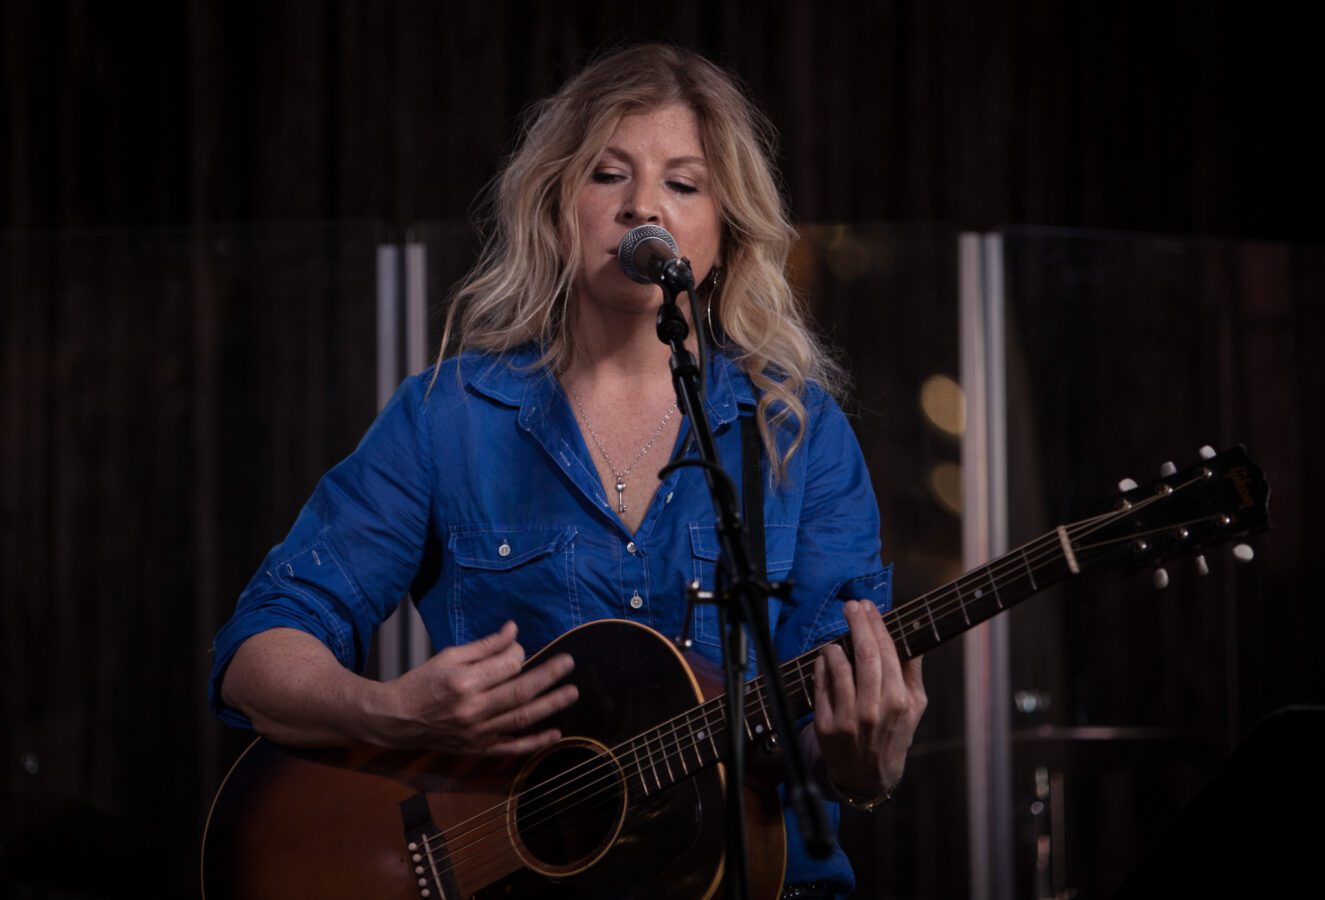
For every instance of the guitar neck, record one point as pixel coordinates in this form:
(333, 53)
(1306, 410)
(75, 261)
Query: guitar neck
(672, 750)
(919, 625)
(1222, 497)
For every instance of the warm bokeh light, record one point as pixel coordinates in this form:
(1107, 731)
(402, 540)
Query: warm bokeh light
(945, 483)
(944, 404)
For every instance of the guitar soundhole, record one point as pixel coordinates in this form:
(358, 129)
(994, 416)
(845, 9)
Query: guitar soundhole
(568, 807)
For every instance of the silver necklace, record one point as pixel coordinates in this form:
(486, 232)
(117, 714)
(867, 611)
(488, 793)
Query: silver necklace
(619, 475)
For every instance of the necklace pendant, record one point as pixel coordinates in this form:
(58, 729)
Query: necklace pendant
(621, 495)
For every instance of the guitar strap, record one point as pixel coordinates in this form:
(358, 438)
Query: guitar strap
(753, 492)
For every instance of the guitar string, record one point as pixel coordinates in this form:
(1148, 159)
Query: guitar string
(530, 821)
(674, 723)
(659, 733)
(755, 690)
(596, 799)
(466, 854)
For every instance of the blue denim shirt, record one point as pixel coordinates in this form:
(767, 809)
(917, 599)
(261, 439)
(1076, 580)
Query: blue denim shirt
(480, 498)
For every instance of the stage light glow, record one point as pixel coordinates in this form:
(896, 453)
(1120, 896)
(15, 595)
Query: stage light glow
(944, 404)
(945, 483)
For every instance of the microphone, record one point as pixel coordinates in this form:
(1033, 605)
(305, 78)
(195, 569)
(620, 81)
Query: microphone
(647, 254)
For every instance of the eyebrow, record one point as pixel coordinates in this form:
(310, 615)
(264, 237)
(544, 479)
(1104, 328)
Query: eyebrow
(674, 161)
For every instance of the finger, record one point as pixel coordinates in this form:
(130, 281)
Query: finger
(514, 692)
(529, 714)
(888, 657)
(484, 647)
(823, 706)
(525, 744)
(869, 665)
(911, 674)
(496, 669)
(840, 682)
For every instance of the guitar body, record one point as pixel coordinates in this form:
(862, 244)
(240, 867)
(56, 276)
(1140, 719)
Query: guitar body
(630, 802)
(364, 822)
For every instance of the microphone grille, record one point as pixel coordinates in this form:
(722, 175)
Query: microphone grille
(625, 254)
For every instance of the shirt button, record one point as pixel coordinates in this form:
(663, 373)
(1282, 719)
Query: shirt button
(504, 549)
(636, 601)
(630, 548)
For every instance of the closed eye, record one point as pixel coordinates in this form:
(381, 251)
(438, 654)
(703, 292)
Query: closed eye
(682, 188)
(607, 177)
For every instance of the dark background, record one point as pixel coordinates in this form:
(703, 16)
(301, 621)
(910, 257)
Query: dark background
(193, 194)
(1192, 118)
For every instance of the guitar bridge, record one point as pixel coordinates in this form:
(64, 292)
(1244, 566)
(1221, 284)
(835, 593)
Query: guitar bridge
(429, 859)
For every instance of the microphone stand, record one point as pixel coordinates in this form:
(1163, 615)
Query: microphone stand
(742, 598)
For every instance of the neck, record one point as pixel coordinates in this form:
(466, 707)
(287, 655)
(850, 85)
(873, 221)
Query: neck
(622, 346)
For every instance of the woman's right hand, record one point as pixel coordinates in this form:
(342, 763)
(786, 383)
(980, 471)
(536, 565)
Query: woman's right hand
(474, 698)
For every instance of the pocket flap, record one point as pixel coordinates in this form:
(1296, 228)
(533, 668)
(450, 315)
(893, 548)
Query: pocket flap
(779, 545)
(498, 550)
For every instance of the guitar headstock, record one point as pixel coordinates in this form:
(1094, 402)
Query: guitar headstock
(1224, 497)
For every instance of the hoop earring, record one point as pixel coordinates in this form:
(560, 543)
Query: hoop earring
(715, 278)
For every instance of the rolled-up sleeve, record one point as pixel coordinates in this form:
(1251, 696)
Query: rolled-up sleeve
(837, 544)
(352, 552)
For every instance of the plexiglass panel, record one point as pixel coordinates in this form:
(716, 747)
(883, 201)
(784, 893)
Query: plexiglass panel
(886, 298)
(1124, 352)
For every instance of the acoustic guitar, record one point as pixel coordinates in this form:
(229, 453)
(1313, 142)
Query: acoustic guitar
(630, 802)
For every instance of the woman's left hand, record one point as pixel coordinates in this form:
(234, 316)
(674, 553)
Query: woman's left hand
(866, 715)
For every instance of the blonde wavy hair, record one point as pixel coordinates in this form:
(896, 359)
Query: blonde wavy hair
(518, 290)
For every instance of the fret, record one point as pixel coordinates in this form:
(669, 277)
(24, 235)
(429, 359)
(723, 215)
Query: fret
(804, 683)
(653, 764)
(667, 764)
(639, 770)
(989, 570)
(763, 706)
(648, 766)
(906, 645)
(1029, 571)
(699, 736)
(681, 752)
(938, 638)
(961, 602)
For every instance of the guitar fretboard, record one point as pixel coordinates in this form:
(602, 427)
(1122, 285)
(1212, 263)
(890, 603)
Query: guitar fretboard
(671, 751)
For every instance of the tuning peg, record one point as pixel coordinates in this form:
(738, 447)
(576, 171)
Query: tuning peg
(1167, 469)
(1202, 567)
(1207, 452)
(1243, 553)
(1126, 485)
(1161, 579)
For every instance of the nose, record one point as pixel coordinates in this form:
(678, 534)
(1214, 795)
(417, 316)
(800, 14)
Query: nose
(640, 203)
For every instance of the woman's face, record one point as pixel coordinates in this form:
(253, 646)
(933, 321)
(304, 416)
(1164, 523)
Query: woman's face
(652, 172)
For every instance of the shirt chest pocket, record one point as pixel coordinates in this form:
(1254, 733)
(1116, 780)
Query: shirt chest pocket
(779, 551)
(526, 575)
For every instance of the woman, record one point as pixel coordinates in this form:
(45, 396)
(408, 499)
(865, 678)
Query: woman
(513, 487)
